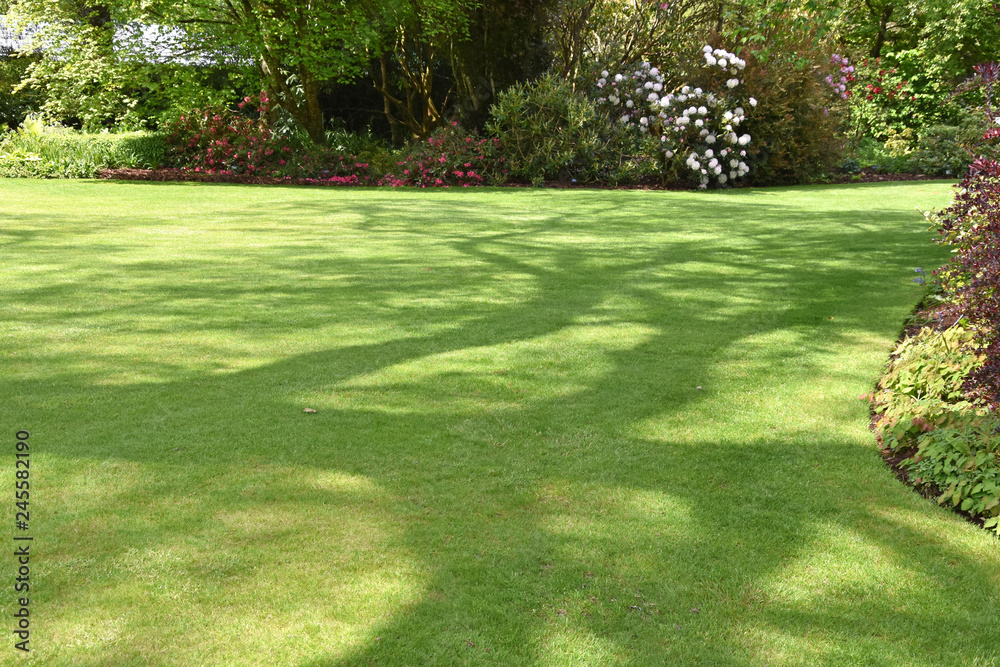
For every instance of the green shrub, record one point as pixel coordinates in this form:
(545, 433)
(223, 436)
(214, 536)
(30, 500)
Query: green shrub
(962, 463)
(953, 443)
(942, 150)
(922, 388)
(44, 151)
(548, 130)
(796, 125)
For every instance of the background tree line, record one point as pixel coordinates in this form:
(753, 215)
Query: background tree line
(402, 68)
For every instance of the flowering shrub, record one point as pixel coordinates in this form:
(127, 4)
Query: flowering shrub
(448, 157)
(695, 127)
(218, 141)
(226, 143)
(843, 77)
(890, 97)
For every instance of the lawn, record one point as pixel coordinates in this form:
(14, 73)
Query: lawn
(552, 427)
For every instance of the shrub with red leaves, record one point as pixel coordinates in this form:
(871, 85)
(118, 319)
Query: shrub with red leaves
(972, 223)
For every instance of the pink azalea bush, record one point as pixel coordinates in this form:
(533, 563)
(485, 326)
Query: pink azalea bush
(449, 157)
(224, 142)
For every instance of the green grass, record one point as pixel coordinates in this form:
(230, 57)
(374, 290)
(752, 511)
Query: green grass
(552, 428)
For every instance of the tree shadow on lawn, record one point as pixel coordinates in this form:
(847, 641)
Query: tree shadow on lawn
(511, 474)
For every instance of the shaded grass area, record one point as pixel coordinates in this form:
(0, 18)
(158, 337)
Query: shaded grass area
(552, 427)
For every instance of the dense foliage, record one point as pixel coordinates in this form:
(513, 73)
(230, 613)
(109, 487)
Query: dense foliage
(35, 150)
(972, 224)
(548, 130)
(950, 443)
(839, 83)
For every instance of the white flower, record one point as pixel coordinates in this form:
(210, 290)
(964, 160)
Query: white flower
(732, 83)
(710, 139)
(697, 91)
(686, 89)
(710, 59)
(682, 98)
(723, 178)
(734, 163)
(707, 49)
(649, 85)
(683, 120)
(629, 104)
(614, 99)
(744, 140)
(724, 152)
(644, 121)
(743, 153)
(713, 163)
(753, 102)
(727, 116)
(733, 138)
(709, 153)
(703, 134)
(702, 110)
(740, 112)
(625, 118)
(669, 154)
(619, 78)
(654, 71)
(652, 97)
(605, 74)
(658, 87)
(723, 63)
(733, 175)
(695, 165)
(699, 123)
(718, 169)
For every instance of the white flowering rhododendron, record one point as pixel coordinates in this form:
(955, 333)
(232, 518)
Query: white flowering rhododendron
(696, 128)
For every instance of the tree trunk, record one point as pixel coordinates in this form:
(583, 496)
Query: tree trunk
(883, 30)
(313, 113)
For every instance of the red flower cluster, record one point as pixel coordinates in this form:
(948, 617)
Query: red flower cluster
(886, 85)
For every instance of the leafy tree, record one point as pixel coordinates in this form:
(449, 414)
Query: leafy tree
(295, 46)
